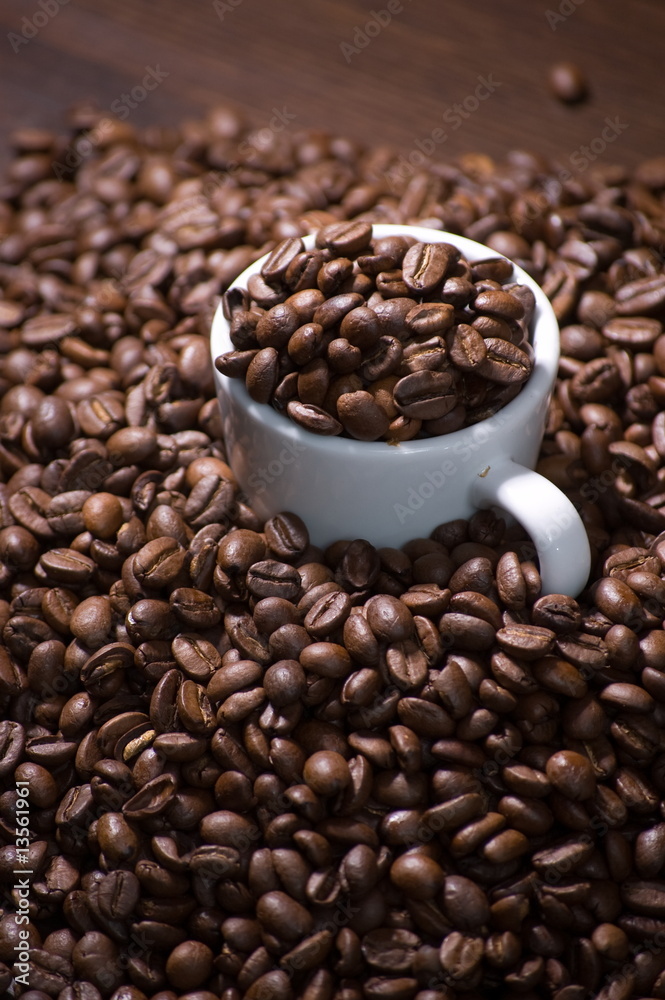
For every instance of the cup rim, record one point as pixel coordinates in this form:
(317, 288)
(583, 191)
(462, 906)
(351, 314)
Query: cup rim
(545, 342)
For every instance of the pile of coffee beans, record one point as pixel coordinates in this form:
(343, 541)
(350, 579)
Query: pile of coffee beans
(386, 338)
(235, 766)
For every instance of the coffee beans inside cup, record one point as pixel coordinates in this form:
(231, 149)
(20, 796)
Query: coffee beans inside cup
(379, 339)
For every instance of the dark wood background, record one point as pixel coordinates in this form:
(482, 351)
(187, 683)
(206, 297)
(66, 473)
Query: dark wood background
(265, 54)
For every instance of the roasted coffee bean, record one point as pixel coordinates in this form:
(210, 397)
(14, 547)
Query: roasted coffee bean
(327, 614)
(326, 659)
(407, 665)
(571, 774)
(460, 956)
(389, 619)
(465, 903)
(262, 375)
(305, 343)
(557, 612)
(313, 418)
(425, 266)
(345, 237)
(118, 894)
(425, 395)
(359, 326)
(643, 897)
(326, 773)
(287, 536)
(499, 303)
(567, 83)
(424, 354)
(270, 578)
(282, 916)
(504, 363)
(466, 348)
(189, 965)
(361, 416)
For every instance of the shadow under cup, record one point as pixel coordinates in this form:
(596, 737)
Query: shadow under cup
(389, 494)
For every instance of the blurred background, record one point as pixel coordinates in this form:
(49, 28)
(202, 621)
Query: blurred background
(430, 77)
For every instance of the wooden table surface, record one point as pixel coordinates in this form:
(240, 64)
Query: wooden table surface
(381, 71)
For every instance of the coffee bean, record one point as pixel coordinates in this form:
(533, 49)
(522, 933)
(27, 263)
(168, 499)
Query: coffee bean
(571, 774)
(327, 614)
(275, 268)
(359, 325)
(102, 515)
(326, 773)
(617, 601)
(568, 83)
(500, 304)
(466, 348)
(629, 697)
(465, 903)
(504, 363)
(118, 894)
(116, 838)
(313, 418)
(361, 417)
(389, 619)
(284, 682)
(644, 295)
(460, 956)
(557, 612)
(407, 665)
(643, 897)
(262, 374)
(67, 566)
(282, 916)
(610, 941)
(417, 876)
(326, 659)
(333, 311)
(466, 631)
(345, 237)
(189, 965)
(650, 851)
(425, 395)
(270, 578)
(526, 641)
(425, 266)
(559, 676)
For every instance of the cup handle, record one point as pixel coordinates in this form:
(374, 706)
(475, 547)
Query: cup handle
(549, 517)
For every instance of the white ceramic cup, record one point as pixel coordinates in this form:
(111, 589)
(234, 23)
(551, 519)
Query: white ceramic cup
(389, 494)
